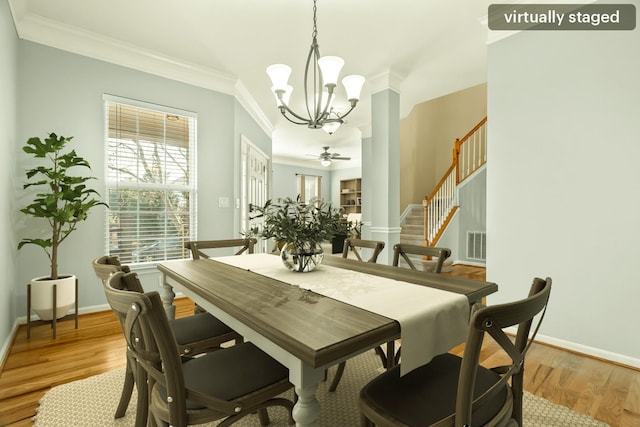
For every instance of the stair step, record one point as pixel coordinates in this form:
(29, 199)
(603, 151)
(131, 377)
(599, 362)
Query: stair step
(414, 220)
(412, 229)
(411, 239)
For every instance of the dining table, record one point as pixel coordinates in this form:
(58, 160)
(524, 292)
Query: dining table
(313, 320)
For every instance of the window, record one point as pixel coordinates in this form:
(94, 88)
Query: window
(151, 186)
(309, 187)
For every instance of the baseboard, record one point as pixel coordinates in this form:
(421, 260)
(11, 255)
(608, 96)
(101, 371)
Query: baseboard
(471, 263)
(6, 346)
(587, 351)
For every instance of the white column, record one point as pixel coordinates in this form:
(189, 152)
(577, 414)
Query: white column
(383, 173)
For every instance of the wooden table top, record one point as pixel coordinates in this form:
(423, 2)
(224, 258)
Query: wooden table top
(316, 329)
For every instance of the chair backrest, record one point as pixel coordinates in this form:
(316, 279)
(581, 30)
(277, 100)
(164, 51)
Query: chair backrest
(493, 320)
(196, 246)
(106, 265)
(353, 245)
(150, 340)
(403, 250)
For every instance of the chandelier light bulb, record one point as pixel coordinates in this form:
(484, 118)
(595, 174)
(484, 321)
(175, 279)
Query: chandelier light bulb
(279, 74)
(325, 162)
(330, 67)
(353, 85)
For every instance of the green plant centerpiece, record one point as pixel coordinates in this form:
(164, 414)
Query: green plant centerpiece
(63, 200)
(299, 229)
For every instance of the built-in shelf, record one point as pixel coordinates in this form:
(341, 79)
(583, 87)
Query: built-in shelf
(351, 195)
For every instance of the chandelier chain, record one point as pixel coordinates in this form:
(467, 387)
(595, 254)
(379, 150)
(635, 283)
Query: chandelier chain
(315, 21)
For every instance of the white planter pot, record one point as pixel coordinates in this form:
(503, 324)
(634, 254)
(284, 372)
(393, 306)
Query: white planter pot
(42, 296)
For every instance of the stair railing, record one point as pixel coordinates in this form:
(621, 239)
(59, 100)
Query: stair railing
(469, 154)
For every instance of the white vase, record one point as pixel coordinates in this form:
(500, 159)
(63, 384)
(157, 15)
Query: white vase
(42, 296)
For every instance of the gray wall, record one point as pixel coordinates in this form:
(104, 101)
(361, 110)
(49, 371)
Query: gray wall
(472, 215)
(62, 92)
(563, 182)
(8, 184)
(285, 181)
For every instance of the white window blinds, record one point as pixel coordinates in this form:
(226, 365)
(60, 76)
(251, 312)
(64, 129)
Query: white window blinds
(151, 181)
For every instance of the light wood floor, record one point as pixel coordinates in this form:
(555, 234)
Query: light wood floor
(602, 390)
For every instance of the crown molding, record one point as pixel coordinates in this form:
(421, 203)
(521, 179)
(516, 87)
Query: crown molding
(51, 33)
(249, 103)
(389, 79)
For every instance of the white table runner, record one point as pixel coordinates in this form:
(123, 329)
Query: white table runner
(432, 321)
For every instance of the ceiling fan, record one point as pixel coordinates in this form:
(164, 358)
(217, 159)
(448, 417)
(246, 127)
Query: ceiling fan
(326, 157)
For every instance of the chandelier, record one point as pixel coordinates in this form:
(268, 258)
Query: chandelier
(320, 79)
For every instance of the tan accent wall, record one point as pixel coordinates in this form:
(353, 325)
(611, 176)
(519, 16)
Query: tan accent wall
(427, 138)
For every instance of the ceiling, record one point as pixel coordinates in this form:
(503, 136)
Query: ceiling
(425, 48)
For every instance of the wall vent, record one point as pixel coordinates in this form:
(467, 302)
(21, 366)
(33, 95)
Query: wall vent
(477, 245)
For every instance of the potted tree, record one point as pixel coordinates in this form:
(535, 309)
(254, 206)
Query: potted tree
(299, 228)
(63, 200)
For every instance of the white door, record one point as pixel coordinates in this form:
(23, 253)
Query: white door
(255, 164)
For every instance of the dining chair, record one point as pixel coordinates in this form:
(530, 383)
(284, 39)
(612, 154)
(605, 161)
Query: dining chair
(197, 246)
(458, 391)
(434, 266)
(404, 250)
(355, 246)
(194, 335)
(226, 384)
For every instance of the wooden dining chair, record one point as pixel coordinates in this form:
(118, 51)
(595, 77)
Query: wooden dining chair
(197, 334)
(227, 384)
(402, 250)
(197, 246)
(355, 246)
(458, 391)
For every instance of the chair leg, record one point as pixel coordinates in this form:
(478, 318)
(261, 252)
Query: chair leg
(142, 409)
(127, 389)
(337, 377)
(364, 421)
(381, 354)
(263, 416)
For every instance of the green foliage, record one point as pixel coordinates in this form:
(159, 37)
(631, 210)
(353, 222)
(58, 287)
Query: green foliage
(295, 222)
(63, 200)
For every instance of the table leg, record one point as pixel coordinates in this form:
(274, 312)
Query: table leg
(306, 380)
(167, 297)
(307, 408)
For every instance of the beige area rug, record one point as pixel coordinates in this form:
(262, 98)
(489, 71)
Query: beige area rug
(92, 402)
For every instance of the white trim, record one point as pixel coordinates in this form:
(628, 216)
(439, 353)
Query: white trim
(6, 346)
(76, 40)
(408, 210)
(472, 263)
(148, 105)
(248, 102)
(584, 350)
(386, 230)
(387, 80)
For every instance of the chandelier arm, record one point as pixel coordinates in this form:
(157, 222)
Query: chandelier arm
(312, 61)
(302, 122)
(285, 108)
(353, 105)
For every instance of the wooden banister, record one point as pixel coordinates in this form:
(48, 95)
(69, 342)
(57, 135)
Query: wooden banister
(469, 154)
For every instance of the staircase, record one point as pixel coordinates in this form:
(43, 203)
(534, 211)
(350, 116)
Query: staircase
(469, 155)
(425, 225)
(412, 232)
